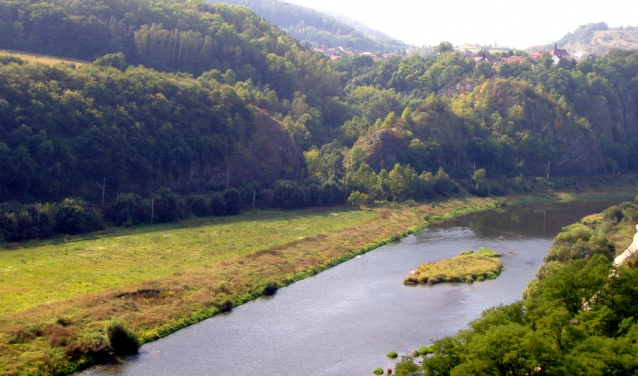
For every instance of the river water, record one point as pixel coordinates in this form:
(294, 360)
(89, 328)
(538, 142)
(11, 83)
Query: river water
(344, 320)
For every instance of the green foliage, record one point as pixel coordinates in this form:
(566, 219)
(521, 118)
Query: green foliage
(117, 61)
(406, 367)
(74, 216)
(129, 210)
(289, 195)
(576, 318)
(232, 201)
(480, 186)
(122, 340)
(378, 371)
(392, 354)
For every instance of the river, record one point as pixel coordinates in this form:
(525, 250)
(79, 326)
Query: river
(344, 320)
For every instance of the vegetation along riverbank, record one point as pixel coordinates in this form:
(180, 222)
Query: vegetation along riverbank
(577, 316)
(467, 267)
(61, 294)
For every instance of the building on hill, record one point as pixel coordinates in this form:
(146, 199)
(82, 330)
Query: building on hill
(559, 54)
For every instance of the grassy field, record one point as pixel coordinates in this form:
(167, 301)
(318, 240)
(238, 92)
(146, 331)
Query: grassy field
(467, 267)
(43, 59)
(57, 296)
(40, 274)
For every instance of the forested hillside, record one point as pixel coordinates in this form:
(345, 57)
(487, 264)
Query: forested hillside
(317, 29)
(225, 99)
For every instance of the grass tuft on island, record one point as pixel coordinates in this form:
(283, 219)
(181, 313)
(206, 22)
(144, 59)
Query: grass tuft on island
(467, 267)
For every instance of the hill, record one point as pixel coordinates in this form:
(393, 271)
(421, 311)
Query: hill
(315, 28)
(597, 39)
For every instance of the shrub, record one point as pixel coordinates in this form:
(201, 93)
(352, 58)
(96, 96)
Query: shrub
(271, 288)
(232, 199)
(73, 216)
(443, 185)
(288, 195)
(425, 350)
(166, 208)
(357, 198)
(128, 210)
(217, 204)
(406, 367)
(199, 205)
(331, 194)
(122, 340)
(313, 195)
(378, 371)
(392, 354)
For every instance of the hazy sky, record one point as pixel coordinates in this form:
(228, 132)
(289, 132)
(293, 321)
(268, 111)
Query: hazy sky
(506, 22)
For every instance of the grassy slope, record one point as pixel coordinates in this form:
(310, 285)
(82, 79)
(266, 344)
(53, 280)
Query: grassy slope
(43, 59)
(159, 279)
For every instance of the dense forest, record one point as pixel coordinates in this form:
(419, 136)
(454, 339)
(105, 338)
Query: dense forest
(199, 98)
(317, 29)
(578, 317)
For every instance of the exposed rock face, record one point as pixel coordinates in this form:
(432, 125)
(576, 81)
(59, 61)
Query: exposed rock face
(269, 155)
(381, 149)
(580, 155)
(457, 87)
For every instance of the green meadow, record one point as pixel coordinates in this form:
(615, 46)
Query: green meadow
(62, 269)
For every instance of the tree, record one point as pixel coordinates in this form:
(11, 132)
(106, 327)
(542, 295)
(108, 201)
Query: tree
(232, 199)
(443, 185)
(481, 187)
(444, 47)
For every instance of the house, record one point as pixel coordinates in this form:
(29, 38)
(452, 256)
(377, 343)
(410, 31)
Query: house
(559, 54)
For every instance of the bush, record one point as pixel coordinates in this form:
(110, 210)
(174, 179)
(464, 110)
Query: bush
(289, 195)
(378, 371)
(406, 367)
(313, 195)
(199, 205)
(392, 354)
(166, 207)
(73, 216)
(425, 350)
(217, 204)
(331, 194)
(128, 210)
(271, 288)
(443, 185)
(232, 198)
(357, 198)
(123, 341)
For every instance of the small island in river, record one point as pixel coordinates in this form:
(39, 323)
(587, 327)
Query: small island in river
(468, 267)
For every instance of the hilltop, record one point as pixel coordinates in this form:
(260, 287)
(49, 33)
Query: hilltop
(596, 38)
(319, 29)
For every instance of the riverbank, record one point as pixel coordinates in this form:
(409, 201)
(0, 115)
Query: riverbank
(65, 335)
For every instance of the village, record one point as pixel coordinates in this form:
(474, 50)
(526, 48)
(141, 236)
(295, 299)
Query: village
(557, 54)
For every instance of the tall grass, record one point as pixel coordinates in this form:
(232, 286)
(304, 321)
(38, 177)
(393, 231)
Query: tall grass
(467, 267)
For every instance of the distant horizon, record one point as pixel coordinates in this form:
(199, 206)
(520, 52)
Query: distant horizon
(496, 22)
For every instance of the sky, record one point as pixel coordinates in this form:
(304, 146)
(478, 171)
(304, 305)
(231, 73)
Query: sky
(511, 23)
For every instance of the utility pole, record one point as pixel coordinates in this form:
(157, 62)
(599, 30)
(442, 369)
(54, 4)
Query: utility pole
(152, 207)
(103, 186)
(548, 163)
(38, 207)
